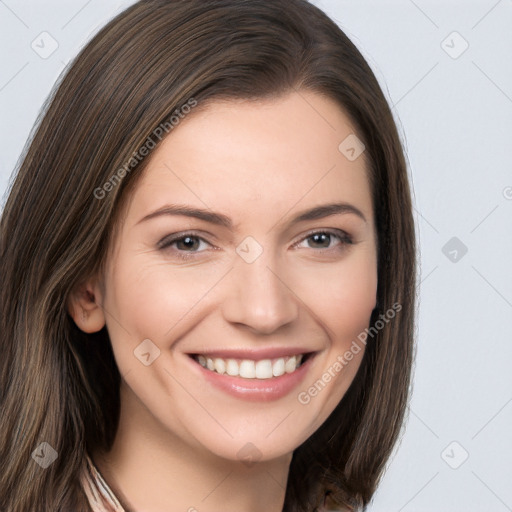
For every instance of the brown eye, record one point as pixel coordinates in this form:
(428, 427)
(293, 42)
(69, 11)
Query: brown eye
(326, 239)
(188, 243)
(184, 243)
(320, 240)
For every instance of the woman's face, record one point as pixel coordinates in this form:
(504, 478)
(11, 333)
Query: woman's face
(249, 240)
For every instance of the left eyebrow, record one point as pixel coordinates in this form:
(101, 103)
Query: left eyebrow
(318, 212)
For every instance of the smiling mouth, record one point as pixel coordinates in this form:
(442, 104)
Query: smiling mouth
(251, 369)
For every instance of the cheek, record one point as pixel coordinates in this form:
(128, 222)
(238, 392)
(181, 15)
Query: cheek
(353, 300)
(343, 308)
(151, 300)
(343, 296)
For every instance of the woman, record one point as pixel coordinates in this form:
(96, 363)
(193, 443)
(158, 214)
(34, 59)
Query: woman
(208, 268)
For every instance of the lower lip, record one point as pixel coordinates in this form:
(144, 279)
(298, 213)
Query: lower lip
(258, 390)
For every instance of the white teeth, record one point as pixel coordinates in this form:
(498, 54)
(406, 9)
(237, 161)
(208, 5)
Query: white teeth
(249, 369)
(264, 369)
(290, 365)
(278, 367)
(232, 367)
(220, 365)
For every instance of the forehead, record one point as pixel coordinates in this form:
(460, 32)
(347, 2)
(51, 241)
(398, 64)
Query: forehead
(262, 156)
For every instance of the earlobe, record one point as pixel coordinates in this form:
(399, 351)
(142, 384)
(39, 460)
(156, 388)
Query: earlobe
(84, 306)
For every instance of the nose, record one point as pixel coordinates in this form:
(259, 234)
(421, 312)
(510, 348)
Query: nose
(258, 296)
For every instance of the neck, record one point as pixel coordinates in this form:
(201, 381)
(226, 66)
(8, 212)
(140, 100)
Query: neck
(149, 468)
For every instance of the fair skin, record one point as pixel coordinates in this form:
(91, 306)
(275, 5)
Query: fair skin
(261, 164)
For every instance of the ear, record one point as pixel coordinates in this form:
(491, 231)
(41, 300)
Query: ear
(85, 306)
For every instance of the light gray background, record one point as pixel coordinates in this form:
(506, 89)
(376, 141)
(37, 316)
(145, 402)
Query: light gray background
(454, 110)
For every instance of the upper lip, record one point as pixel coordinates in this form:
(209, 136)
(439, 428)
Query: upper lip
(254, 354)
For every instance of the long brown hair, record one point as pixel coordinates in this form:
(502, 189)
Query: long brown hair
(60, 385)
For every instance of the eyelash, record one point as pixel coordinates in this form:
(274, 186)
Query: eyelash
(343, 237)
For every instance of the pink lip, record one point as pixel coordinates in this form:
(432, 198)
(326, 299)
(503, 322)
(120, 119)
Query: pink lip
(255, 355)
(259, 390)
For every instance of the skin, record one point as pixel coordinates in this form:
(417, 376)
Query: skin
(260, 163)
